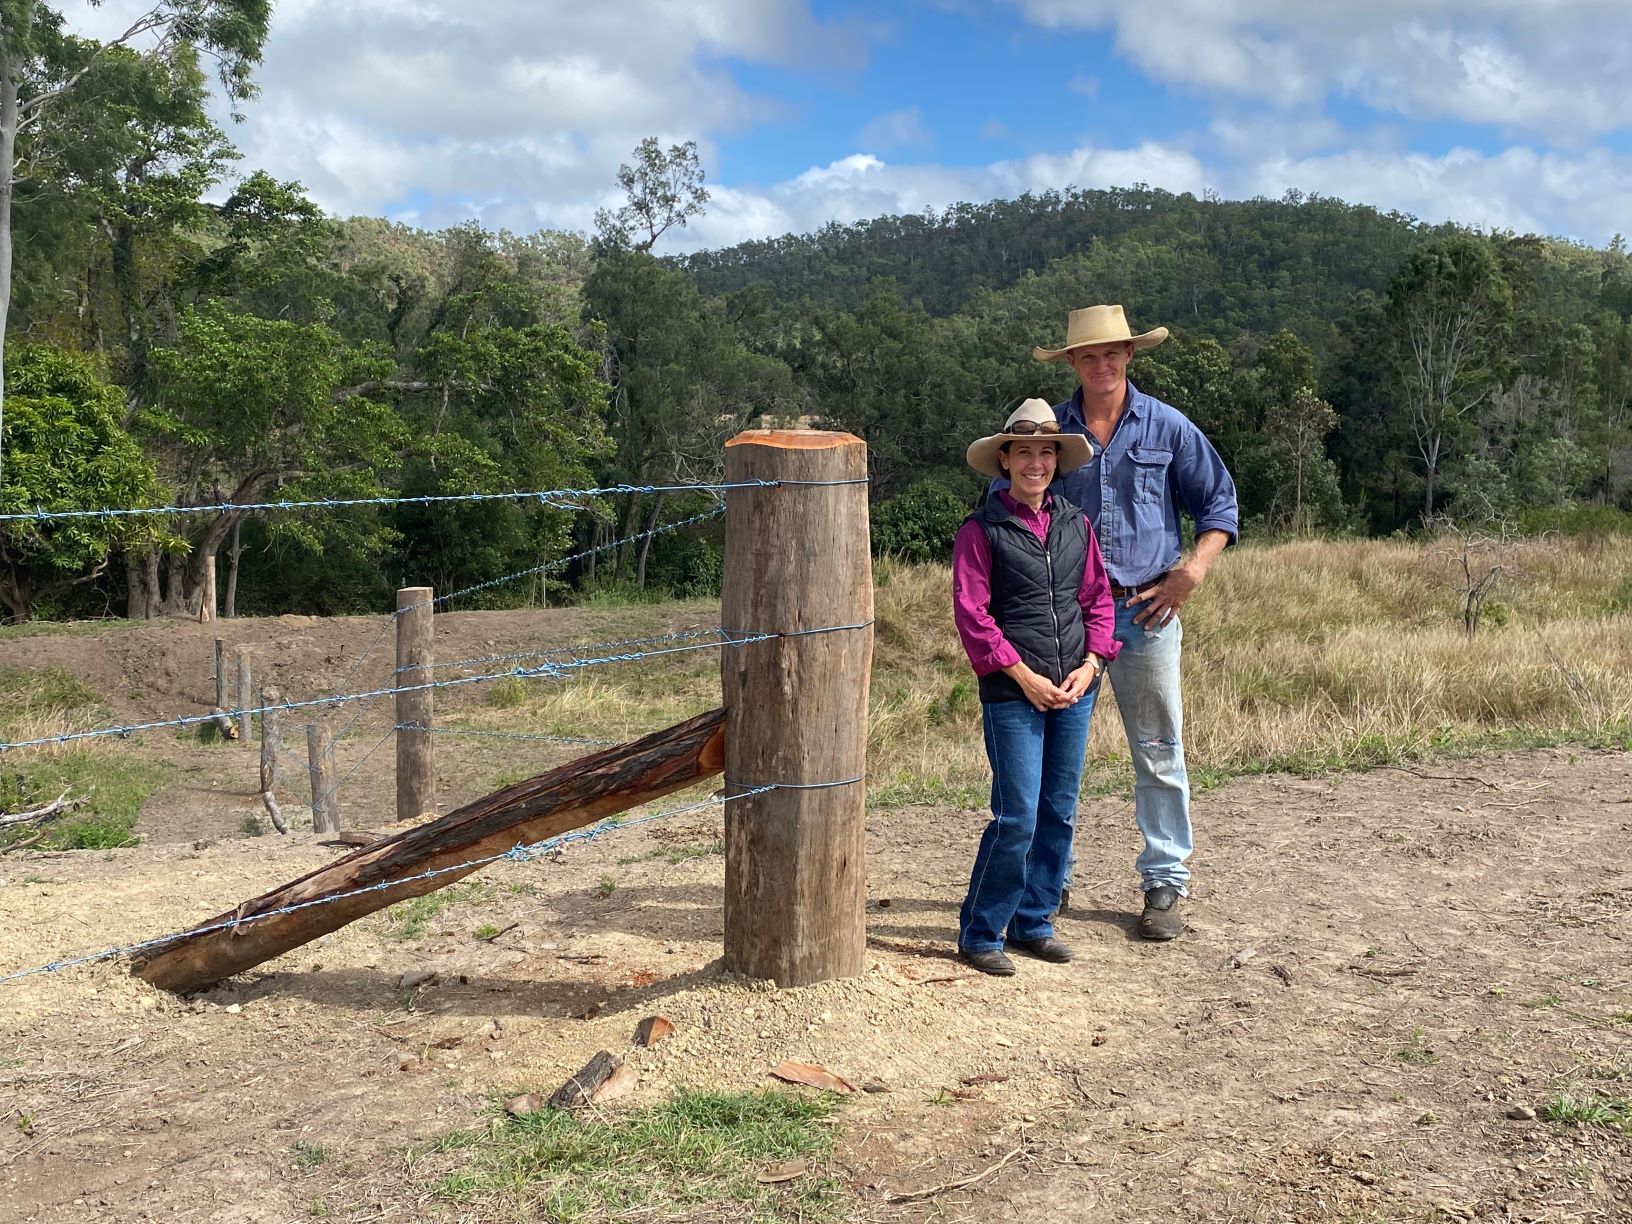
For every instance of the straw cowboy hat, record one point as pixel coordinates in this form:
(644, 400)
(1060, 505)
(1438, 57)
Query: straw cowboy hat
(1099, 325)
(1032, 421)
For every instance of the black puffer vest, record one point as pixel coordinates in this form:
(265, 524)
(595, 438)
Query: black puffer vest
(1034, 592)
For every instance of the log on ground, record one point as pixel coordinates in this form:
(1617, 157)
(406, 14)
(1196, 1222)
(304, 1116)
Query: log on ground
(569, 797)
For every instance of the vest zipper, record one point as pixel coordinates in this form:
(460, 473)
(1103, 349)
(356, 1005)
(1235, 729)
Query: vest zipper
(1054, 609)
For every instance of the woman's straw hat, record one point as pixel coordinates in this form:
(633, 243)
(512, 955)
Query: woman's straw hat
(1074, 449)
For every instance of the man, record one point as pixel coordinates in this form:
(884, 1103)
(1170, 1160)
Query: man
(1150, 460)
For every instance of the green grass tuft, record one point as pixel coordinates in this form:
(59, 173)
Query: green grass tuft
(411, 917)
(696, 1150)
(1589, 1111)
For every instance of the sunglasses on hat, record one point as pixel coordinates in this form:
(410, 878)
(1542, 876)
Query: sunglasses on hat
(1022, 428)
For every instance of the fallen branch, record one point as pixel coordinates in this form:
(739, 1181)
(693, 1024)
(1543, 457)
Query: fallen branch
(964, 1183)
(25, 843)
(60, 804)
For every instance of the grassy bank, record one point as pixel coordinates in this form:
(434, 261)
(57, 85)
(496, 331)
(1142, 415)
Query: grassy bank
(109, 783)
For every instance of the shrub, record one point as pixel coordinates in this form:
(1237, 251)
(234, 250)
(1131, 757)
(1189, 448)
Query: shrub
(919, 523)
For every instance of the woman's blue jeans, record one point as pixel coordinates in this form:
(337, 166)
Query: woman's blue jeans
(1036, 759)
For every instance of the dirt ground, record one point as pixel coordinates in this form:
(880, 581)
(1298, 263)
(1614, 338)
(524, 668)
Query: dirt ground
(1386, 978)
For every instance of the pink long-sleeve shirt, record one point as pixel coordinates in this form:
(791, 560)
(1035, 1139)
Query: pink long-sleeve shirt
(988, 650)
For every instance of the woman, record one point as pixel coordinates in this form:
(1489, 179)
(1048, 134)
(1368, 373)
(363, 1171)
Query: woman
(1033, 607)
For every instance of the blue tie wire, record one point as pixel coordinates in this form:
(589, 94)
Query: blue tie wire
(520, 853)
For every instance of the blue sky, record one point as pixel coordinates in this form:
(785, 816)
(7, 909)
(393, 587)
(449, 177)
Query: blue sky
(1498, 113)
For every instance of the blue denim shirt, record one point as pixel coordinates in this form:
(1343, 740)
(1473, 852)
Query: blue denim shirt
(1132, 491)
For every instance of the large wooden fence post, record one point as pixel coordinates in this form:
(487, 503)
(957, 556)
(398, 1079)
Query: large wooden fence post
(796, 558)
(416, 776)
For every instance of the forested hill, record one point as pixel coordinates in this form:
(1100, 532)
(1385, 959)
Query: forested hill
(1224, 267)
(1359, 370)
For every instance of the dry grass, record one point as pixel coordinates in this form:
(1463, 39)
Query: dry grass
(1305, 656)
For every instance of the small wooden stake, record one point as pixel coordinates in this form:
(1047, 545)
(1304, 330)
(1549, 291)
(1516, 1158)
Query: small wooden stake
(220, 678)
(246, 696)
(320, 766)
(581, 1088)
(224, 724)
(269, 759)
(416, 771)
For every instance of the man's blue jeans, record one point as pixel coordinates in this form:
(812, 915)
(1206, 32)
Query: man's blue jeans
(1145, 678)
(1036, 759)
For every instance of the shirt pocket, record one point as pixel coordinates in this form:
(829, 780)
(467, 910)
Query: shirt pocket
(1149, 472)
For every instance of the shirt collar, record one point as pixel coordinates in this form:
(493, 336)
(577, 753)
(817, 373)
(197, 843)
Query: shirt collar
(1136, 400)
(1016, 507)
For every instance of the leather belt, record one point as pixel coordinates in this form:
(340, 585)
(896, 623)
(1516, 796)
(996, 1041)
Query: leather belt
(1128, 592)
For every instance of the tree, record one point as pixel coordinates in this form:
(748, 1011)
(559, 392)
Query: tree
(1451, 312)
(246, 406)
(664, 191)
(682, 382)
(42, 69)
(68, 453)
(1297, 432)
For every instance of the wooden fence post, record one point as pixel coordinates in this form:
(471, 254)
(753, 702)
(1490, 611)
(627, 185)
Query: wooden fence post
(220, 677)
(416, 776)
(796, 557)
(246, 695)
(320, 767)
(269, 759)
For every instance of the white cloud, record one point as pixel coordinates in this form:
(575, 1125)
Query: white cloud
(519, 111)
(1573, 194)
(1544, 67)
(529, 105)
(863, 185)
(901, 129)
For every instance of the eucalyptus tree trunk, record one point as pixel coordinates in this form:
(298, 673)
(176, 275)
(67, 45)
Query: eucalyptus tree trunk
(230, 610)
(646, 542)
(8, 163)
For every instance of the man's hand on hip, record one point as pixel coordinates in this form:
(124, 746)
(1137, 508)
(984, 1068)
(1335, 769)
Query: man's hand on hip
(1164, 597)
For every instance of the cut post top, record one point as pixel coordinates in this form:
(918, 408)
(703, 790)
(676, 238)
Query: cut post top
(793, 439)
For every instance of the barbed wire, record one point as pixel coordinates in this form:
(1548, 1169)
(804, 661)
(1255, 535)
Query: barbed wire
(520, 853)
(545, 496)
(547, 566)
(508, 735)
(678, 635)
(553, 670)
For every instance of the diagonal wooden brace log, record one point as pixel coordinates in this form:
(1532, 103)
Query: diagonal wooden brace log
(569, 797)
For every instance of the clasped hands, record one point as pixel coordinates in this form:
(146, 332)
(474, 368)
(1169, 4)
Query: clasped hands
(1045, 695)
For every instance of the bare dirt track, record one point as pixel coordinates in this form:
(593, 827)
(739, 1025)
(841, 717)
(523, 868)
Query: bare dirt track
(1433, 954)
